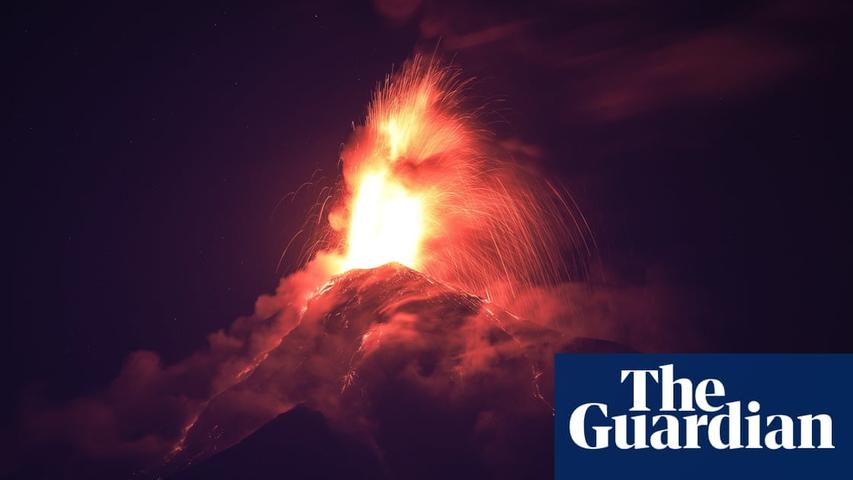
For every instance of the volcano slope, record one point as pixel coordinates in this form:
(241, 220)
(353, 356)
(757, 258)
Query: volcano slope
(391, 374)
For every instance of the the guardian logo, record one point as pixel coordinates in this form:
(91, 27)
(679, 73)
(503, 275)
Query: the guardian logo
(700, 416)
(703, 416)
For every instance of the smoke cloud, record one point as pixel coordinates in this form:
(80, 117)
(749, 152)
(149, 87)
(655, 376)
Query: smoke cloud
(615, 62)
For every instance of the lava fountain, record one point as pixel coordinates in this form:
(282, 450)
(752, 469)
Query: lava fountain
(427, 187)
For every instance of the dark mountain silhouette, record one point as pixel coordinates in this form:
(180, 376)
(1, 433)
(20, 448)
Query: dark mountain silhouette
(298, 444)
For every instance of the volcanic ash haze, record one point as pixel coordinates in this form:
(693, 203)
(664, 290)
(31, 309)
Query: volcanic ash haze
(392, 330)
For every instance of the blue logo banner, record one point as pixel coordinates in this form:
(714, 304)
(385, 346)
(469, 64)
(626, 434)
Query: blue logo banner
(703, 416)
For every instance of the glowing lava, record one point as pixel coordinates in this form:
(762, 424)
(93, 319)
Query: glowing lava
(389, 212)
(387, 224)
(427, 187)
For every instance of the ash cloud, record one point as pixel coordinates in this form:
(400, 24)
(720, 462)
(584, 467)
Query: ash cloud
(616, 61)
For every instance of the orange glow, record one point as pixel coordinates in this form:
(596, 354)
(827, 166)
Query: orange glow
(388, 214)
(386, 225)
(427, 187)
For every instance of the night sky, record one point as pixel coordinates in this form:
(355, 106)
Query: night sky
(147, 148)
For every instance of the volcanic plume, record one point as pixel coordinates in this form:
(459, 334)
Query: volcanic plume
(427, 187)
(421, 326)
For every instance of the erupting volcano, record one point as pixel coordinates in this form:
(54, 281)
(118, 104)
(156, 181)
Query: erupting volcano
(434, 228)
(414, 334)
(312, 240)
(425, 186)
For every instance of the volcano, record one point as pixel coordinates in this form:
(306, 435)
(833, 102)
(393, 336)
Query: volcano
(400, 350)
(386, 343)
(391, 374)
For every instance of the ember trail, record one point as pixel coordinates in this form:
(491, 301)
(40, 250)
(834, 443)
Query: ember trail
(721, 426)
(424, 185)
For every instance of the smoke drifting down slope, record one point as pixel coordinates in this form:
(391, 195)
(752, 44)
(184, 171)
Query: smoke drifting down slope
(409, 366)
(433, 381)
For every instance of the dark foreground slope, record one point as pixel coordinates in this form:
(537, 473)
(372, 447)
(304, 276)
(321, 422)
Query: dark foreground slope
(296, 444)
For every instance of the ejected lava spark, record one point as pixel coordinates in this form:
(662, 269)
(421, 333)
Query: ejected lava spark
(426, 186)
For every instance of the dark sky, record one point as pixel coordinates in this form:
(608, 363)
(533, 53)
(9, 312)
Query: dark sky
(148, 145)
